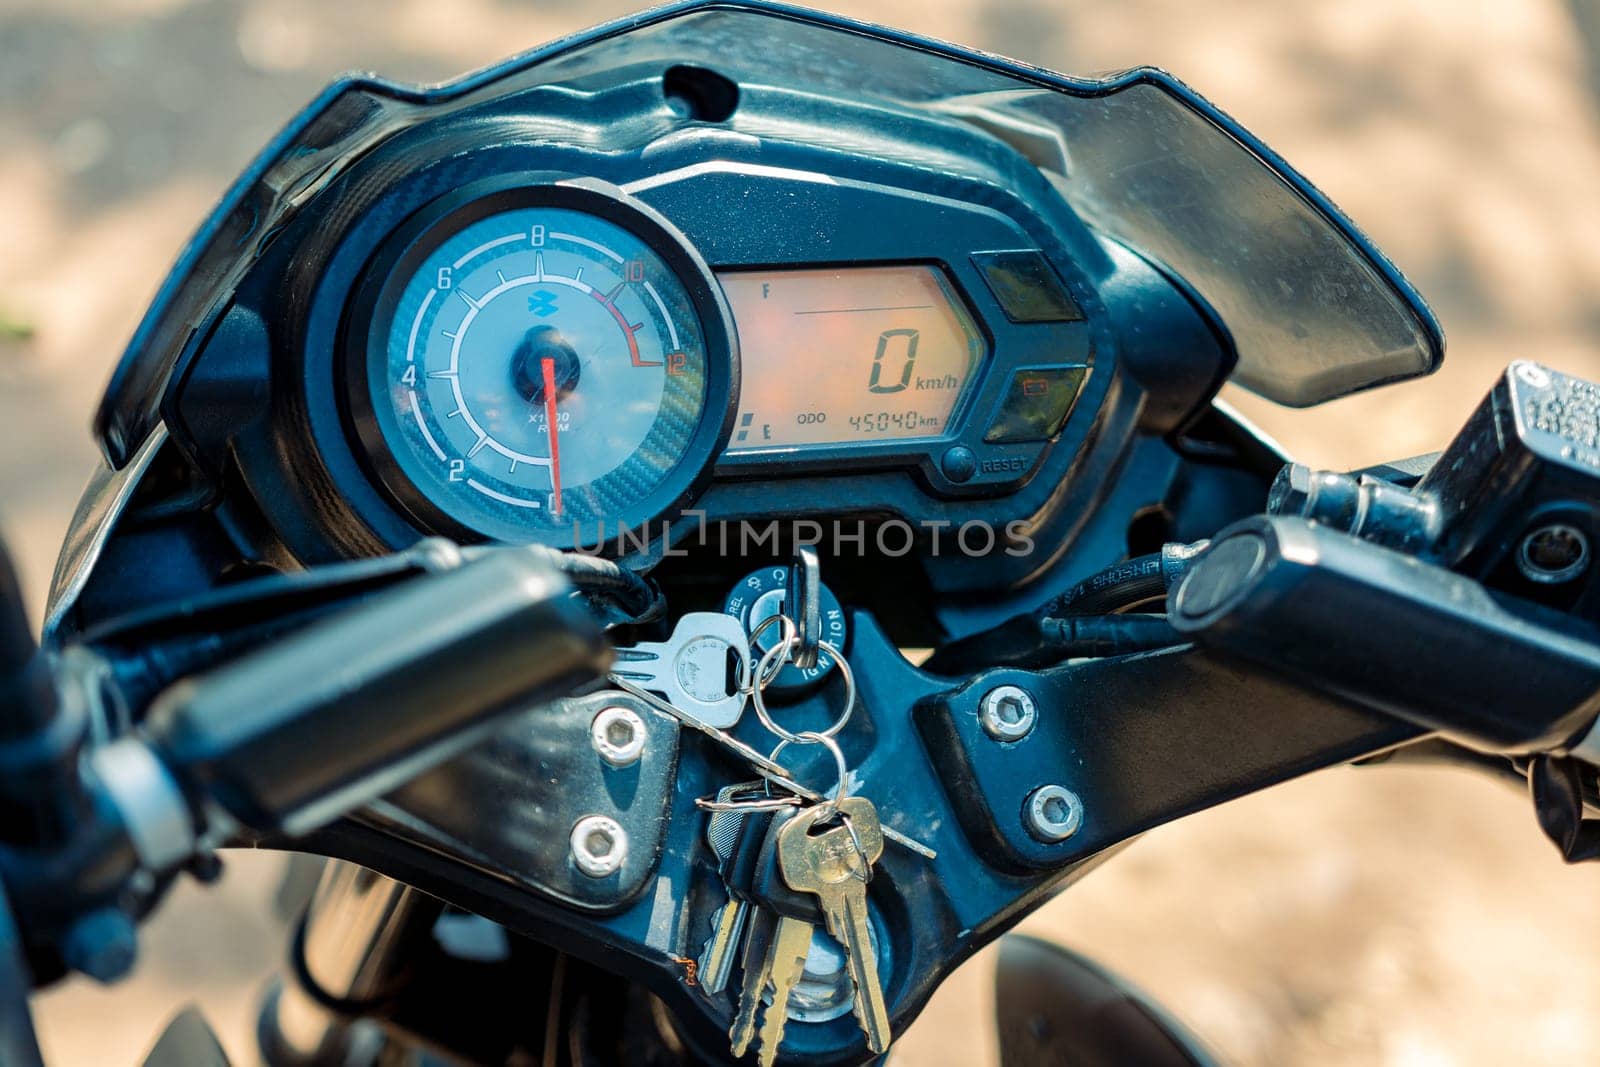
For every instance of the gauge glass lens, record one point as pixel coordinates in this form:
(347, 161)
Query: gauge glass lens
(851, 355)
(541, 373)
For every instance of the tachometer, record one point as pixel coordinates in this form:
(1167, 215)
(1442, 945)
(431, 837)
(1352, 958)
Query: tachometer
(541, 361)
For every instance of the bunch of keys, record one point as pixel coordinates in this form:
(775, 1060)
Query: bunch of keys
(790, 863)
(689, 670)
(788, 871)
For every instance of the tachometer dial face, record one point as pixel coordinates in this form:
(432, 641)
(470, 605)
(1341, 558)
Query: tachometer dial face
(544, 364)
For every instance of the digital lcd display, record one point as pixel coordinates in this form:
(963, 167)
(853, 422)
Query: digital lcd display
(834, 356)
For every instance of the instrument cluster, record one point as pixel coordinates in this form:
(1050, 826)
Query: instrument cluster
(543, 343)
(575, 318)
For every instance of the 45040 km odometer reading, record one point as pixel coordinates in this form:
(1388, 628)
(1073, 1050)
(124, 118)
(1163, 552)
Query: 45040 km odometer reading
(895, 424)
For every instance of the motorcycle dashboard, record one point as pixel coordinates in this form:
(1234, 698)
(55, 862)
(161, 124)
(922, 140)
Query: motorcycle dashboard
(781, 282)
(574, 352)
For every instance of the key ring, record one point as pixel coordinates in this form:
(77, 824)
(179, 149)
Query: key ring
(811, 737)
(760, 704)
(767, 803)
(865, 873)
(763, 677)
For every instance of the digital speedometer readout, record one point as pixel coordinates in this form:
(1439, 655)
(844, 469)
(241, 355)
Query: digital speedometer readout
(848, 355)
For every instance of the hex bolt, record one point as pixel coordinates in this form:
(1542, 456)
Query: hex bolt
(599, 845)
(1007, 713)
(437, 554)
(618, 735)
(1053, 813)
(1291, 490)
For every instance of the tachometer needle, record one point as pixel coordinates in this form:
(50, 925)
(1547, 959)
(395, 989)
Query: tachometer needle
(548, 367)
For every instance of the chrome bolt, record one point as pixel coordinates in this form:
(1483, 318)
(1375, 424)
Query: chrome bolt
(599, 845)
(618, 735)
(1291, 490)
(1007, 713)
(1053, 813)
(437, 554)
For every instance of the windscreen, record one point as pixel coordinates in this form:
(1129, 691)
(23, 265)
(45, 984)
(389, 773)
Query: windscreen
(1313, 310)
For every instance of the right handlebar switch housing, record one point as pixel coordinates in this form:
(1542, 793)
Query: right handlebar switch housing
(1513, 501)
(1394, 632)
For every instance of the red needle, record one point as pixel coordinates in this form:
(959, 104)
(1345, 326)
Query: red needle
(549, 368)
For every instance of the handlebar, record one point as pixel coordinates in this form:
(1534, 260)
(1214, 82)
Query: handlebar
(282, 740)
(1394, 632)
(289, 737)
(1350, 607)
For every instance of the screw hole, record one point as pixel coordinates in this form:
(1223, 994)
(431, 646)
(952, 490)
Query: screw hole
(1554, 553)
(699, 94)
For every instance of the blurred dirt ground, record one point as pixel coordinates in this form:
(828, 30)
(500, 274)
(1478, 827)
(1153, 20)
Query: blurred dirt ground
(1397, 917)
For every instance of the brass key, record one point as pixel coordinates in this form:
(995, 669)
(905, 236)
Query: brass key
(775, 950)
(759, 931)
(834, 863)
(727, 926)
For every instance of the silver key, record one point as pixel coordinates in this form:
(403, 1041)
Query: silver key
(775, 771)
(835, 863)
(716, 962)
(690, 669)
(722, 829)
